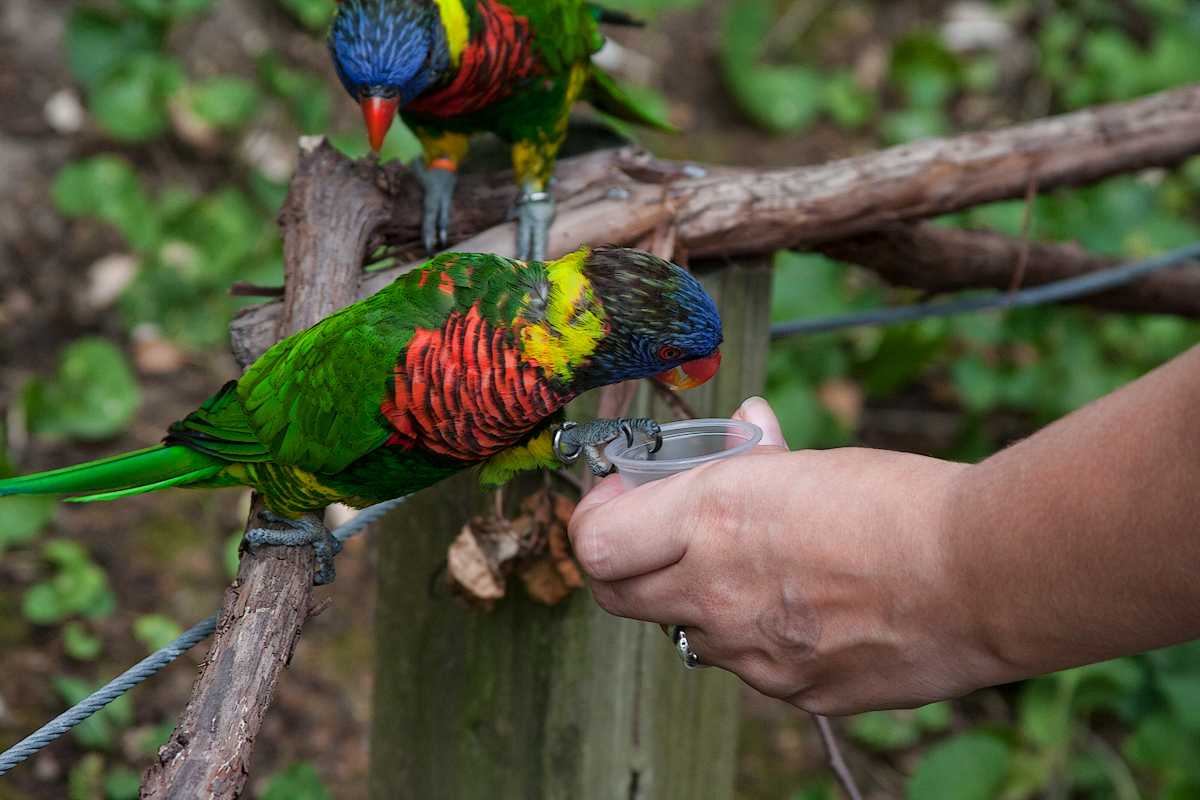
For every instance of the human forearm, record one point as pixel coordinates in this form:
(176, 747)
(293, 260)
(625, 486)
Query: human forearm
(1082, 542)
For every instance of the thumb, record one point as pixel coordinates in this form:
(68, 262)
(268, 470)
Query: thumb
(757, 411)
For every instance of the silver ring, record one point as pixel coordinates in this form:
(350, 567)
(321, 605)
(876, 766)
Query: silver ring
(679, 637)
(565, 458)
(533, 197)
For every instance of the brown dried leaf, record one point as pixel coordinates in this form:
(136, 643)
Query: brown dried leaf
(468, 567)
(543, 581)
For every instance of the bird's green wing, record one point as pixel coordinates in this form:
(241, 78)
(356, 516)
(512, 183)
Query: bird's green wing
(604, 95)
(313, 399)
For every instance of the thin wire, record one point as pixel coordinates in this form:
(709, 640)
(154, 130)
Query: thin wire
(1058, 291)
(153, 663)
(105, 695)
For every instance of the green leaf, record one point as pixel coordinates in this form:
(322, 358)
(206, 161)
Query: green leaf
(167, 11)
(902, 355)
(79, 586)
(93, 395)
(312, 14)
(298, 782)
(849, 104)
(86, 779)
(306, 96)
(934, 717)
(79, 644)
(40, 605)
(122, 783)
(971, 766)
(107, 187)
(131, 104)
(231, 555)
(782, 99)
(914, 123)
(817, 790)
(1162, 744)
(924, 69)
(100, 731)
(885, 730)
(224, 102)
(156, 630)
(98, 43)
(22, 518)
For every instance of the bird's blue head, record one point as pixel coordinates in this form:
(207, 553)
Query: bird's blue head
(386, 52)
(659, 321)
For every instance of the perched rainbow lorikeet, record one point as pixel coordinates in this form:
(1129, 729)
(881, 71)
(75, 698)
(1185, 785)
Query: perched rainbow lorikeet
(457, 67)
(466, 361)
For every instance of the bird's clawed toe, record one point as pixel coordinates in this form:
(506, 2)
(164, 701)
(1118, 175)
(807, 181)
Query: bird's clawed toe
(572, 440)
(307, 530)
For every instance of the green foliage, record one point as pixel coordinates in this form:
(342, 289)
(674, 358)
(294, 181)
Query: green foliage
(971, 766)
(783, 98)
(893, 730)
(306, 96)
(108, 188)
(298, 782)
(156, 631)
(92, 395)
(22, 518)
(79, 644)
(192, 247)
(79, 586)
(102, 730)
(122, 783)
(224, 102)
(312, 14)
(86, 780)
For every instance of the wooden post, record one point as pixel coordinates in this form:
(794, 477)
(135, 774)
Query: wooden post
(566, 702)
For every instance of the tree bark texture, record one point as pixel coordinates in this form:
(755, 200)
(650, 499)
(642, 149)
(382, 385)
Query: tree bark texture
(331, 211)
(937, 259)
(622, 196)
(564, 702)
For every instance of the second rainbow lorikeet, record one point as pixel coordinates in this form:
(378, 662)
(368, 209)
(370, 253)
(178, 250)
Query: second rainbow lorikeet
(457, 67)
(465, 361)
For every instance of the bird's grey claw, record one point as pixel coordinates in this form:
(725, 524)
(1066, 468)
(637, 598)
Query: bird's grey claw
(307, 530)
(535, 212)
(572, 439)
(438, 184)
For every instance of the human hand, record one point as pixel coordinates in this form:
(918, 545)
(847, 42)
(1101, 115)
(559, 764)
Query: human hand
(817, 576)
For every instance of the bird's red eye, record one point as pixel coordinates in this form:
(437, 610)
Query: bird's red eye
(669, 353)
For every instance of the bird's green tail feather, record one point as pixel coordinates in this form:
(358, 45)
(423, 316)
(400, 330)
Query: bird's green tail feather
(128, 473)
(604, 95)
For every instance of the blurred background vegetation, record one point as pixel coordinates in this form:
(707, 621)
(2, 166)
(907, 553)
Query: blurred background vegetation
(144, 151)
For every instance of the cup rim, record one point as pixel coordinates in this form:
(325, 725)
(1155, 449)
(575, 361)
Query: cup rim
(708, 426)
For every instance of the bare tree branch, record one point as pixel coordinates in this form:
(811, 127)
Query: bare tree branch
(623, 196)
(937, 259)
(332, 209)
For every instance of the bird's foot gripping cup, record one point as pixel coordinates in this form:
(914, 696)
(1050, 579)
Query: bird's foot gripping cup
(307, 530)
(572, 440)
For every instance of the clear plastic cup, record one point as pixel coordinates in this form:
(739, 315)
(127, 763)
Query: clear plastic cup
(685, 444)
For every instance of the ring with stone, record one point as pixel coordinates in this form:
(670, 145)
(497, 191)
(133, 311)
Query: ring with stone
(679, 637)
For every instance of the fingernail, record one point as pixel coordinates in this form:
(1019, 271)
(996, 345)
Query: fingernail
(749, 401)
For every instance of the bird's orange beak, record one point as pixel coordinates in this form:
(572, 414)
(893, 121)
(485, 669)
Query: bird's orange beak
(378, 113)
(691, 374)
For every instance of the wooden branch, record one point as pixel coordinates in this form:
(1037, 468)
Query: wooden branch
(937, 259)
(332, 209)
(622, 196)
(756, 211)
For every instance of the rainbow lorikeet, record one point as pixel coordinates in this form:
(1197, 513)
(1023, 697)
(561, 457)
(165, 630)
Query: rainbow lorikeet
(465, 361)
(456, 67)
